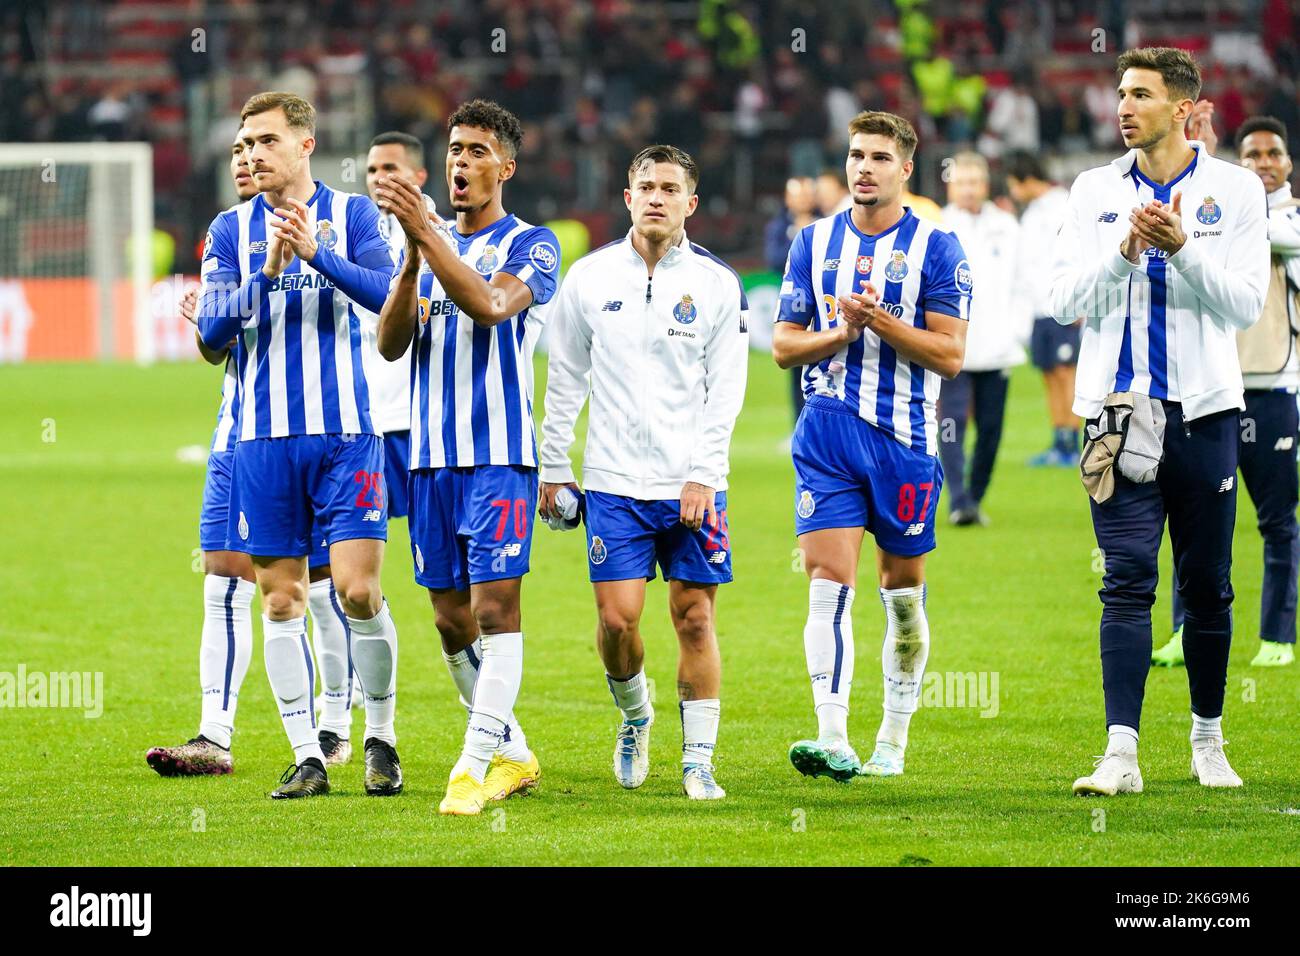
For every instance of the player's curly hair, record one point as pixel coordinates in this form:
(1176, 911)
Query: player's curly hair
(1262, 124)
(300, 114)
(485, 114)
(1176, 67)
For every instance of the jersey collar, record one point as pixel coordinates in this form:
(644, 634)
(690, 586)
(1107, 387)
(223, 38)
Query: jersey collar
(674, 253)
(1127, 166)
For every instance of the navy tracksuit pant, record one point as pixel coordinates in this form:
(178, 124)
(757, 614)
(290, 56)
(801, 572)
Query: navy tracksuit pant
(986, 393)
(1196, 490)
(1269, 427)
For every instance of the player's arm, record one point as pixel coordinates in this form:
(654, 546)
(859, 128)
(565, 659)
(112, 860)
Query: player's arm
(1080, 285)
(726, 368)
(793, 342)
(1234, 289)
(1284, 232)
(398, 317)
(940, 346)
(568, 383)
(365, 280)
(486, 303)
(224, 301)
(189, 306)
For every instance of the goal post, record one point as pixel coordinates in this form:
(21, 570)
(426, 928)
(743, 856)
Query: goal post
(76, 259)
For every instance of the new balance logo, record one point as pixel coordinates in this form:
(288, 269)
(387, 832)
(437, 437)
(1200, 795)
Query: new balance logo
(613, 305)
(1108, 217)
(1284, 444)
(374, 514)
(1226, 484)
(511, 550)
(914, 528)
(717, 557)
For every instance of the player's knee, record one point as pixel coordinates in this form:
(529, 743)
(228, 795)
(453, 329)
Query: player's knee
(283, 603)
(616, 624)
(495, 615)
(361, 599)
(456, 630)
(694, 626)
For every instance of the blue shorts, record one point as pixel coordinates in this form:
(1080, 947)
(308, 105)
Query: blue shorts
(291, 496)
(470, 525)
(214, 516)
(850, 474)
(397, 470)
(626, 537)
(1052, 344)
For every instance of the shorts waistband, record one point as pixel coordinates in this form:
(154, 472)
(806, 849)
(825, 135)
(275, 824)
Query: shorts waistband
(826, 403)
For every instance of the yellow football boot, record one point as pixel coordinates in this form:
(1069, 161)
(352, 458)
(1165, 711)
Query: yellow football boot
(464, 796)
(508, 777)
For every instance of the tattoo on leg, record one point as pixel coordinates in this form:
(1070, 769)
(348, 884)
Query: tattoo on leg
(685, 690)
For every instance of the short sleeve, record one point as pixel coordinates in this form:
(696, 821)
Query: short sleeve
(946, 280)
(535, 261)
(219, 254)
(797, 302)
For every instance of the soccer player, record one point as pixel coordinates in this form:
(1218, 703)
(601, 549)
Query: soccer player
(226, 641)
(289, 269)
(653, 329)
(467, 300)
(1271, 375)
(227, 635)
(875, 301)
(1053, 348)
(1163, 285)
(994, 345)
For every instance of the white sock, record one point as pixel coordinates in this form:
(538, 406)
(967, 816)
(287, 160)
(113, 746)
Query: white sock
(374, 655)
(828, 649)
(902, 658)
(225, 648)
(463, 667)
(1206, 728)
(700, 730)
(292, 675)
(330, 639)
(501, 671)
(631, 696)
(1122, 740)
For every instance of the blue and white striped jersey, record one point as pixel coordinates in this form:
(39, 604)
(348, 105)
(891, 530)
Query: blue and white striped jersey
(298, 359)
(915, 266)
(223, 438)
(472, 387)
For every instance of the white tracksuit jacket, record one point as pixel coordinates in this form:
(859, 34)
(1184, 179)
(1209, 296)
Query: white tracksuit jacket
(999, 325)
(664, 360)
(1167, 326)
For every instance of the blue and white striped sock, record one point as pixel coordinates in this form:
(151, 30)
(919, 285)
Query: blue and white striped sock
(225, 648)
(828, 649)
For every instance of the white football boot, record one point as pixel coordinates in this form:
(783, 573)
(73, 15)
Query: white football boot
(632, 752)
(698, 782)
(1115, 773)
(1210, 764)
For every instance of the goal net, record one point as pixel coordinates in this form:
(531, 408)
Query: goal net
(76, 263)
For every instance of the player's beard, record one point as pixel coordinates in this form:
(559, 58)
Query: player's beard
(869, 201)
(1156, 136)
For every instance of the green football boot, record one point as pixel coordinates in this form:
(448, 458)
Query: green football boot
(1171, 655)
(834, 759)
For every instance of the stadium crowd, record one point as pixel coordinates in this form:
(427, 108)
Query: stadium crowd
(755, 91)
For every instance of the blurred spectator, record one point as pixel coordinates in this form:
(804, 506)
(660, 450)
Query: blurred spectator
(800, 210)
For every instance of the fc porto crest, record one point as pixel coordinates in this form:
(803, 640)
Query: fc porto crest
(326, 237)
(487, 263)
(896, 271)
(243, 527)
(806, 505)
(1209, 212)
(598, 551)
(685, 311)
(865, 263)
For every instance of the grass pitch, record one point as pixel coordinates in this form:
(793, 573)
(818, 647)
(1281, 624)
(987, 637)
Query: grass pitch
(99, 574)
